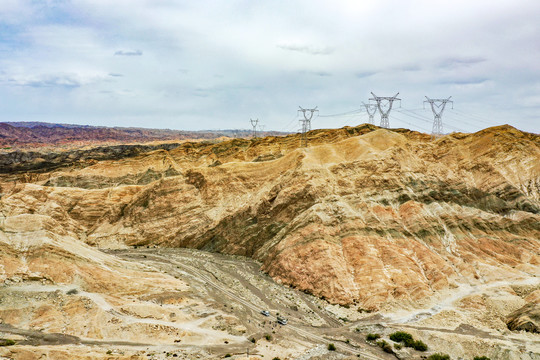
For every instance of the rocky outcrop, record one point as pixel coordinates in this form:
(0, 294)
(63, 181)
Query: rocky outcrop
(25, 161)
(363, 215)
(527, 318)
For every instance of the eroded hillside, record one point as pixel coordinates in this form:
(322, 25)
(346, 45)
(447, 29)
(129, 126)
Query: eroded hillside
(363, 215)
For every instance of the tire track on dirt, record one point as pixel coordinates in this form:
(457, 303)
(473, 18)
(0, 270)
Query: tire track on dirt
(198, 274)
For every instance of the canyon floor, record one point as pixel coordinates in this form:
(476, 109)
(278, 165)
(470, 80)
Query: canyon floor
(218, 312)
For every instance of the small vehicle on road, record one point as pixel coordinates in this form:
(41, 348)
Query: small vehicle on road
(282, 321)
(265, 313)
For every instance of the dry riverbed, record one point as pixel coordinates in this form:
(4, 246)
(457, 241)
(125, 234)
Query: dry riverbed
(218, 313)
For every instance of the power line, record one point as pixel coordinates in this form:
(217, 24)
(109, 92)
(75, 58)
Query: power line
(385, 104)
(348, 120)
(345, 113)
(419, 117)
(291, 125)
(413, 126)
(465, 122)
(471, 116)
(466, 119)
(414, 114)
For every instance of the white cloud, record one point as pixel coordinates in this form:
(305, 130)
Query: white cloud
(128, 53)
(65, 80)
(216, 64)
(308, 49)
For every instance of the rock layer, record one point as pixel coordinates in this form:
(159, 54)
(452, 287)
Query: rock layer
(527, 318)
(363, 215)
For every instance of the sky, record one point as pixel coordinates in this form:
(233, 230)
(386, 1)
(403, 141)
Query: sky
(217, 64)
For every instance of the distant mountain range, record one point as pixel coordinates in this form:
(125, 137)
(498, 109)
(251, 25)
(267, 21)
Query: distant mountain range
(35, 134)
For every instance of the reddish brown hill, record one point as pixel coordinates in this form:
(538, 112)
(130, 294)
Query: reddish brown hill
(28, 135)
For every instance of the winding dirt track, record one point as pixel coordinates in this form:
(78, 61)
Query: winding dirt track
(179, 263)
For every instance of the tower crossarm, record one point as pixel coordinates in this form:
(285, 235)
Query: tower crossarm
(384, 104)
(306, 111)
(371, 109)
(437, 107)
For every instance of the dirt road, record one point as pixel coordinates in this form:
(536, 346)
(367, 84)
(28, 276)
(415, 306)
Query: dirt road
(241, 286)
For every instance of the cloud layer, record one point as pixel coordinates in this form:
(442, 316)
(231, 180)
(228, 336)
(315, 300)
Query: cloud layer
(216, 64)
(128, 53)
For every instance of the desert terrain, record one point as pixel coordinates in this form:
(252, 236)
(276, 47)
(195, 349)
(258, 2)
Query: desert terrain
(172, 250)
(50, 136)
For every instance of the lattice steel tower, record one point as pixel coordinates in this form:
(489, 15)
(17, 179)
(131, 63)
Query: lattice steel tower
(306, 123)
(384, 104)
(254, 123)
(437, 106)
(371, 110)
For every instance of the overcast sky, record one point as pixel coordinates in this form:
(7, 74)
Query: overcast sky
(216, 64)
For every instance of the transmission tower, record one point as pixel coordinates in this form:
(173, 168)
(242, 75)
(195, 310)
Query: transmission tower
(371, 110)
(254, 123)
(384, 104)
(437, 106)
(306, 123)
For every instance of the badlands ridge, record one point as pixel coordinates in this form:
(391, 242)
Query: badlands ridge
(367, 218)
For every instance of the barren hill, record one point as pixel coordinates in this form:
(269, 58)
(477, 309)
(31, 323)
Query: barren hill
(27, 135)
(363, 215)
